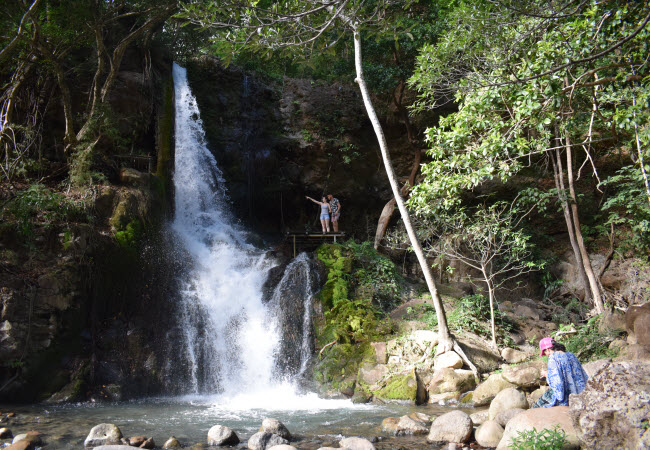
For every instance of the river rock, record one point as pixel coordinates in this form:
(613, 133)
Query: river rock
(263, 440)
(512, 356)
(356, 443)
(137, 441)
(613, 410)
(103, 434)
(450, 380)
(504, 416)
(148, 443)
(114, 447)
(283, 447)
(524, 375)
(31, 436)
(540, 419)
(220, 435)
(410, 426)
(21, 445)
(479, 418)
(5, 433)
(390, 425)
(448, 359)
(172, 442)
(489, 434)
(507, 399)
(455, 426)
(421, 417)
(276, 427)
(486, 391)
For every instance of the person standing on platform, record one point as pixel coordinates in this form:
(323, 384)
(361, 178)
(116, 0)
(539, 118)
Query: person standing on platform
(325, 211)
(335, 206)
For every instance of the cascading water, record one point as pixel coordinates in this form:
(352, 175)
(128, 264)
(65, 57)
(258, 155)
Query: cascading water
(230, 338)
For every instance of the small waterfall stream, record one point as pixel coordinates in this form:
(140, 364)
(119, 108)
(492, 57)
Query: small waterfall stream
(230, 336)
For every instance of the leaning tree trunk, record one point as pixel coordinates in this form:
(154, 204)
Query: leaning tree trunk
(445, 340)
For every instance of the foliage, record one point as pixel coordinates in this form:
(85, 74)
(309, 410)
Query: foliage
(339, 265)
(545, 439)
(588, 343)
(424, 312)
(38, 205)
(473, 312)
(354, 321)
(131, 235)
(629, 209)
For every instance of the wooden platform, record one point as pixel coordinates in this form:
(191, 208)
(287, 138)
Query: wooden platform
(310, 241)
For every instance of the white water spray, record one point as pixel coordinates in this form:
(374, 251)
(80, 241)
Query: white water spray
(230, 337)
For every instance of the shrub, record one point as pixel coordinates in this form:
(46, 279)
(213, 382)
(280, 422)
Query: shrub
(473, 314)
(588, 343)
(545, 439)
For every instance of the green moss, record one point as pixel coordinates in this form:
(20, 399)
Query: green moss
(131, 235)
(340, 365)
(467, 399)
(399, 387)
(339, 265)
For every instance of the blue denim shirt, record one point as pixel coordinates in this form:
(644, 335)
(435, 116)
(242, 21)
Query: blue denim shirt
(565, 376)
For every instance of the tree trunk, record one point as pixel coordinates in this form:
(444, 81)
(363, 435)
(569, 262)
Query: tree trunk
(445, 340)
(491, 298)
(591, 277)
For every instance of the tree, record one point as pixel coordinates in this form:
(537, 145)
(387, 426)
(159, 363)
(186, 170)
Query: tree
(523, 105)
(488, 239)
(300, 24)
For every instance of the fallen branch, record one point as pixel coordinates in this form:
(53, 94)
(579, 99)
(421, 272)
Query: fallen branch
(328, 345)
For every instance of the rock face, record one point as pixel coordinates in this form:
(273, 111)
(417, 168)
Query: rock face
(220, 435)
(540, 419)
(507, 399)
(103, 434)
(455, 426)
(489, 434)
(487, 390)
(613, 410)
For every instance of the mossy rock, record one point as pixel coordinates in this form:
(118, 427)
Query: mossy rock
(339, 367)
(401, 387)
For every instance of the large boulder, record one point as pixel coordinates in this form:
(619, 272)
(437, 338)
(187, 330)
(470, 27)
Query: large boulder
(613, 410)
(540, 419)
(505, 400)
(402, 387)
(263, 440)
(489, 434)
(276, 427)
(103, 434)
(405, 425)
(504, 416)
(632, 314)
(592, 368)
(479, 418)
(220, 435)
(526, 375)
(356, 443)
(450, 380)
(486, 391)
(482, 356)
(455, 426)
(448, 359)
(512, 356)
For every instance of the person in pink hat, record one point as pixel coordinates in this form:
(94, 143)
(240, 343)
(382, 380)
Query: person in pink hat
(565, 374)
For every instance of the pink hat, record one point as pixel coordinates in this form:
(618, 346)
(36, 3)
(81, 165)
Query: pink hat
(545, 343)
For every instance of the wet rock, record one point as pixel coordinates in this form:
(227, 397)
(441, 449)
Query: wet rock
(413, 427)
(448, 359)
(613, 410)
(504, 416)
(172, 442)
(283, 447)
(489, 434)
(276, 427)
(424, 418)
(400, 387)
(479, 418)
(540, 419)
(512, 356)
(361, 396)
(148, 443)
(507, 399)
(455, 426)
(219, 435)
(263, 440)
(524, 375)
(103, 434)
(137, 441)
(114, 447)
(450, 380)
(31, 436)
(390, 425)
(486, 391)
(5, 433)
(356, 443)
(21, 445)
(448, 398)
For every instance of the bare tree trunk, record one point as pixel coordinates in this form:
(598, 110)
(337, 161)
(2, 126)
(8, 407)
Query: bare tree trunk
(491, 298)
(445, 341)
(591, 277)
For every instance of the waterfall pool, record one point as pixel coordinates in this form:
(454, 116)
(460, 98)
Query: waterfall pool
(314, 422)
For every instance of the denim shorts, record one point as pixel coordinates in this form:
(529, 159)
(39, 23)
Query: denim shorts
(324, 217)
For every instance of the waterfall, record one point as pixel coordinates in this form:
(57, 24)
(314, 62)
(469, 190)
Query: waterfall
(230, 337)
